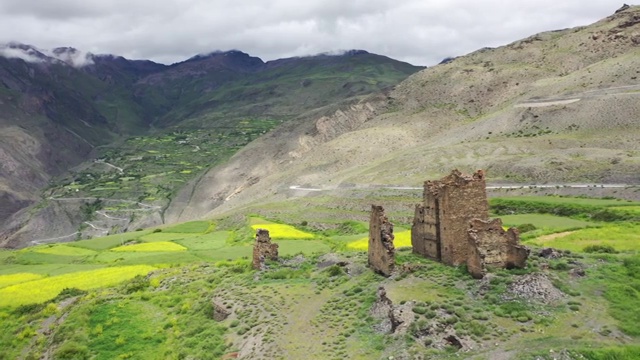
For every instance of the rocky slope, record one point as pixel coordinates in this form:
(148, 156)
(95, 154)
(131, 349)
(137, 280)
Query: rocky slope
(560, 106)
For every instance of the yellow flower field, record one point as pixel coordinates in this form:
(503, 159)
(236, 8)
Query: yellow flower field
(64, 250)
(37, 291)
(282, 231)
(154, 246)
(11, 279)
(402, 239)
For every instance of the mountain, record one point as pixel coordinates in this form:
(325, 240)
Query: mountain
(556, 107)
(62, 107)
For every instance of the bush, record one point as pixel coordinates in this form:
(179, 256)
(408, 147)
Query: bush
(560, 265)
(335, 270)
(136, 284)
(69, 293)
(419, 310)
(523, 228)
(72, 350)
(606, 249)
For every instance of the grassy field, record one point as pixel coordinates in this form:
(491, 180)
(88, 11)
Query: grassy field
(297, 308)
(545, 221)
(621, 237)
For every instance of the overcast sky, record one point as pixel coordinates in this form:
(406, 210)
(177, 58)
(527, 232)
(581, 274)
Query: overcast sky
(421, 32)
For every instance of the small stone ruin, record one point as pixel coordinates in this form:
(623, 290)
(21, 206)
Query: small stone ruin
(263, 249)
(381, 250)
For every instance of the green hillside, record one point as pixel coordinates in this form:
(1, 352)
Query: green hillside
(188, 291)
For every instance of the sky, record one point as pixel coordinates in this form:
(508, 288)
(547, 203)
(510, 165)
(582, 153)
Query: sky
(421, 32)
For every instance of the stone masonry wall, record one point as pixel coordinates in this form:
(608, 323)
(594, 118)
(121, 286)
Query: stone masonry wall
(425, 238)
(440, 224)
(461, 198)
(491, 246)
(263, 249)
(381, 249)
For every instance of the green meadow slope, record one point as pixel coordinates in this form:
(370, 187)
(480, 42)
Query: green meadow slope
(188, 291)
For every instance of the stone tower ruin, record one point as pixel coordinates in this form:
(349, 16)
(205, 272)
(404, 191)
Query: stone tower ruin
(381, 250)
(452, 226)
(440, 224)
(263, 249)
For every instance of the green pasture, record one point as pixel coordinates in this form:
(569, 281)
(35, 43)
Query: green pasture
(195, 227)
(573, 200)
(544, 222)
(622, 237)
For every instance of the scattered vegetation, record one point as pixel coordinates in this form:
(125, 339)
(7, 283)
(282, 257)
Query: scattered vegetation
(308, 302)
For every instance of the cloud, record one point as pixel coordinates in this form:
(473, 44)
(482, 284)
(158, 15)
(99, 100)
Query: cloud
(418, 31)
(31, 54)
(28, 55)
(71, 56)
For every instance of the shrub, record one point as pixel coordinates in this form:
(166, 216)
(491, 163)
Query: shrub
(523, 228)
(68, 293)
(419, 310)
(335, 270)
(72, 350)
(560, 265)
(136, 284)
(606, 249)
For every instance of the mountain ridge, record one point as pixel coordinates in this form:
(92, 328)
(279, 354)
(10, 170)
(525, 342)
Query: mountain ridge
(89, 107)
(465, 113)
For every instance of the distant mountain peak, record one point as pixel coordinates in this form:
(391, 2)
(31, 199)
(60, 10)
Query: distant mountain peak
(218, 53)
(31, 54)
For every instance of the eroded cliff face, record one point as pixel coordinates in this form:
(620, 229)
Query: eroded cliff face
(28, 160)
(263, 167)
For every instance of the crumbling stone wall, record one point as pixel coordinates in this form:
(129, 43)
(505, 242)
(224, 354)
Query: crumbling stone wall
(263, 249)
(381, 250)
(452, 225)
(492, 246)
(440, 225)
